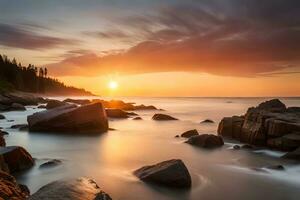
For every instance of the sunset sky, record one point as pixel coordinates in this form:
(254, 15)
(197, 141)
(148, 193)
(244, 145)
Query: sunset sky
(160, 48)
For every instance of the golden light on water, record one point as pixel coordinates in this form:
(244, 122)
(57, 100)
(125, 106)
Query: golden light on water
(113, 85)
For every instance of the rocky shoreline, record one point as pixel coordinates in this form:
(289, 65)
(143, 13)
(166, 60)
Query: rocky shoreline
(270, 125)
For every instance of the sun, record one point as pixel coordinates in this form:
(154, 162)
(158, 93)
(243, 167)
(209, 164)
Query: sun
(113, 85)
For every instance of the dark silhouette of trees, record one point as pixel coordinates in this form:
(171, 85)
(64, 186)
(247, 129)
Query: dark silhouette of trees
(14, 76)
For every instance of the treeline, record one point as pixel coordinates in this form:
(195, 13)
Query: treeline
(14, 76)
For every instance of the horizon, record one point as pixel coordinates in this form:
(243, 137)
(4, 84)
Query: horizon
(152, 49)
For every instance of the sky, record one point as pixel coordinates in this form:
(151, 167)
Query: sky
(159, 48)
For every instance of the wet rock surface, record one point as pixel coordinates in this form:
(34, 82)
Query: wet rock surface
(117, 113)
(87, 118)
(269, 124)
(77, 101)
(207, 121)
(51, 163)
(190, 133)
(171, 173)
(54, 104)
(75, 189)
(163, 117)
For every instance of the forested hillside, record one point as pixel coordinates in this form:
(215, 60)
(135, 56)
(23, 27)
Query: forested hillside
(14, 76)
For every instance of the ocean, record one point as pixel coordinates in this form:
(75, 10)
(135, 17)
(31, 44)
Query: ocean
(111, 158)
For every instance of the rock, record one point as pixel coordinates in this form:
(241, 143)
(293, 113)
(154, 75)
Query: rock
(17, 106)
(246, 146)
(87, 118)
(20, 126)
(137, 118)
(54, 104)
(190, 133)
(78, 189)
(172, 173)
(116, 113)
(77, 101)
(143, 107)
(207, 121)
(2, 116)
(274, 105)
(42, 107)
(162, 117)
(287, 142)
(117, 104)
(231, 127)
(177, 136)
(276, 167)
(10, 189)
(16, 158)
(206, 141)
(18, 97)
(3, 133)
(2, 140)
(236, 147)
(294, 155)
(51, 163)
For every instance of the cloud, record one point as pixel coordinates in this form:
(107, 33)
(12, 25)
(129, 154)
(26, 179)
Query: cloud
(12, 36)
(228, 37)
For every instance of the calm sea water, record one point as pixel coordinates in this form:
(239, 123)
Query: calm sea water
(110, 158)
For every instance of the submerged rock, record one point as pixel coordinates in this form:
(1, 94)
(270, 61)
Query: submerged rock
(116, 113)
(190, 133)
(2, 140)
(172, 173)
(19, 126)
(17, 107)
(76, 189)
(137, 118)
(294, 155)
(236, 147)
(162, 117)
(207, 121)
(16, 158)
(206, 141)
(87, 118)
(2, 116)
(10, 189)
(51, 163)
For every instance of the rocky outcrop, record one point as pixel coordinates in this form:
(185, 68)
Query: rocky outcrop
(206, 141)
(77, 189)
(15, 158)
(162, 117)
(87, 118)
(172, 173)
(190, 133)
(19, 97)
(10, 189)
(269, 124)
(77, 101)
(118, 104)
(54, 104)
(207, 121)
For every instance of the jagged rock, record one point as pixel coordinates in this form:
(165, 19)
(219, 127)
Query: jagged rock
(162, 117)
(77, 101)
(137, 118)
(207, 121)
(172, 173)
(287, 142)
(231, 126)
(2, 116)
(10, 189)
(206, 141)
(16, 158)
(87, 118)
(54, 104)
(77, 189)
(51, 163)
(274, 105)
(190, 133)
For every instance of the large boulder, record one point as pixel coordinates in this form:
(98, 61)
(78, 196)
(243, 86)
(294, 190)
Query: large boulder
(190, 133)
(10, 189)
(172, 173)
(54, 104)
(87, 118)
(231, 126)
(16, 158)
(76, 189)
(206, 141)
(162, 117)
